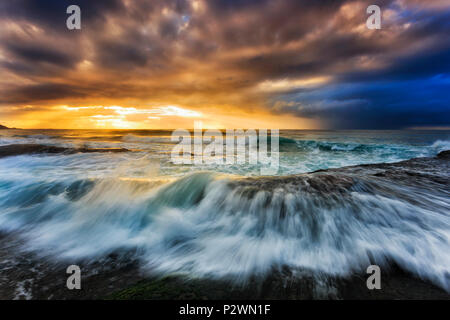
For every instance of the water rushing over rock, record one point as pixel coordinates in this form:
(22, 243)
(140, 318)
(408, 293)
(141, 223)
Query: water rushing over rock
(330, 223)
(67, 197)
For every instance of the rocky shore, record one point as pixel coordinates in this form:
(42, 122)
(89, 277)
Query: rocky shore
(30, 275)
(22, 149)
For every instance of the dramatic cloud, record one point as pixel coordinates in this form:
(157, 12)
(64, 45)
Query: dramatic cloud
(289, 63)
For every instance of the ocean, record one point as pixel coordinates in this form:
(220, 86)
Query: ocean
(228, 221)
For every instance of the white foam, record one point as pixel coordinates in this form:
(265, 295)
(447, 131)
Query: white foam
(206, 228)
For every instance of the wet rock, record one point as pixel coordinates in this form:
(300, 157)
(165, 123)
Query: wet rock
(21, 149)
(444, 155)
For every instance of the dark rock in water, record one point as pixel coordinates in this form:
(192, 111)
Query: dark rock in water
(413, 183)
(397, 285)
(21, 149)
(336, 185)
(26, 275)
(119, 276)
(444, 155)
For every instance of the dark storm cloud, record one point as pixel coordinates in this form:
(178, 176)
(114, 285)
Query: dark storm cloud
(48, 12)
(416, 66)
(43, 91)
(186, 48)
(40, 54)
(114, 54)
(383, 105)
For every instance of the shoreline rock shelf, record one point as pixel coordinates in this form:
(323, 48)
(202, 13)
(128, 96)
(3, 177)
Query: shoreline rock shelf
(21, 149)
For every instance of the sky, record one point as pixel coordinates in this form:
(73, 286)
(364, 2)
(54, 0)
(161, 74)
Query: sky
(286, 64)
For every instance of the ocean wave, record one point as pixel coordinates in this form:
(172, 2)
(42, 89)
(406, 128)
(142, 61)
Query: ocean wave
(36, 136)
(335, 222)
(441, 145)
(146, 139)
(328, 146)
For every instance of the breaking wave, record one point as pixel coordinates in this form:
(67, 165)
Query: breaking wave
(176, 219)
(202, 225)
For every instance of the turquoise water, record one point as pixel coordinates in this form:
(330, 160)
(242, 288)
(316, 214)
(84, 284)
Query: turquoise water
(300, 151)
(207, 221)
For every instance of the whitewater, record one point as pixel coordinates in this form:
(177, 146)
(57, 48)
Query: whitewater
(340, 202)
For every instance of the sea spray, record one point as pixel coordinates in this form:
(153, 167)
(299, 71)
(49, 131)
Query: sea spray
(219, 224)
(332, 223)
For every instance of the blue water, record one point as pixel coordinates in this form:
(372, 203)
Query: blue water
(205, 221)
(300, 151)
